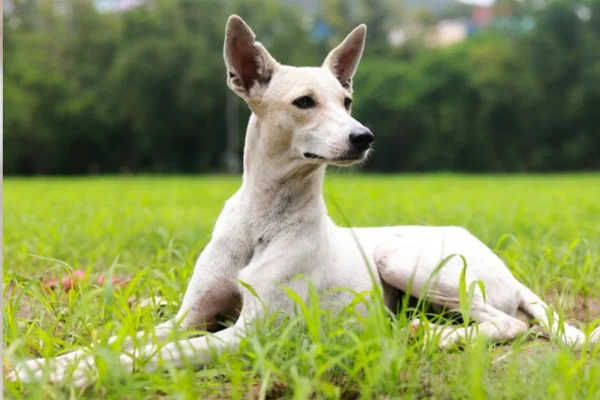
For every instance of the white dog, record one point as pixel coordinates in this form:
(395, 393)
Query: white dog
(276, 227)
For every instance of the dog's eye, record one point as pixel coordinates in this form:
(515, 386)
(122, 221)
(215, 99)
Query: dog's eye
(304, 102)
(347, 103)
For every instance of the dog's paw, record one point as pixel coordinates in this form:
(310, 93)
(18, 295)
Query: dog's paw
(54, 370)
(414, 327)
(450, 342)
(27, 371)
(78, 373)
(440, 337)
(427, 337)
(595, 336)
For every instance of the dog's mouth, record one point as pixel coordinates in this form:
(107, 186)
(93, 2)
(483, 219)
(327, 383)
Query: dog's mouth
(313, 156)
(341, 161)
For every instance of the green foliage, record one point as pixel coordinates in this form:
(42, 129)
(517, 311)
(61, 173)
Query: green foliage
(145, 91)
(492, 104)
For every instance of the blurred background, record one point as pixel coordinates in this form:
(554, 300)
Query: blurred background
(138, 86)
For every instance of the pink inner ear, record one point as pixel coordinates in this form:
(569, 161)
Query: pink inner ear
(345, 64)
(249, 71)
(244, 60)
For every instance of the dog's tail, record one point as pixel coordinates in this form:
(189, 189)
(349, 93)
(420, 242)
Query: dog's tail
(547, 319)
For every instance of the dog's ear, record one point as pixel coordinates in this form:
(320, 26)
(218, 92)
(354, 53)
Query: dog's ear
(249, 65)
(343, 60)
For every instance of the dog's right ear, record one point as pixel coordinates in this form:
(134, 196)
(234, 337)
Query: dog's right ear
(249, 65)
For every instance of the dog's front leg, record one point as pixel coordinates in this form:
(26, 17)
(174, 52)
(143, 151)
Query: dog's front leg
(264, 276)
(211, 290)
(194, 352)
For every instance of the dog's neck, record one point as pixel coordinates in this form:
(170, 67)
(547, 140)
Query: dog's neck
(272, 185)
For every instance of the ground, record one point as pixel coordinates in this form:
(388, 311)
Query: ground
(151, 229)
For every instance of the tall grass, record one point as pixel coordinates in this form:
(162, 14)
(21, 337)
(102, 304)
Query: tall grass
(545, 227)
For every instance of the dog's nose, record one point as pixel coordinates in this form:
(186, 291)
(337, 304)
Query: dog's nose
(361, 139)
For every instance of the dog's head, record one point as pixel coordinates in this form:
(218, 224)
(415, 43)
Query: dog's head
(305, 112)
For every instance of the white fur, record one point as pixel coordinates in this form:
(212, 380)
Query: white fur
(276, 227)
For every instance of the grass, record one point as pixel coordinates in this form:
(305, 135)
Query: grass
(546, 228)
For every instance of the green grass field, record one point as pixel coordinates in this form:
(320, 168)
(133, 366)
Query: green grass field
(547, 229)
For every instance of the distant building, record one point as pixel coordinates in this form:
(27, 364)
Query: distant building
(482, 16)
(446, 33)
(397, 37)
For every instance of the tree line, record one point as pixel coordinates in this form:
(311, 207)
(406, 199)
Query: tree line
(144, 90)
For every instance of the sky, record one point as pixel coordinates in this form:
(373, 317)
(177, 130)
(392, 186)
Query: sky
(483, 3)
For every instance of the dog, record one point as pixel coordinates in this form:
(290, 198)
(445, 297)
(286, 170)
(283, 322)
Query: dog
(275, 228)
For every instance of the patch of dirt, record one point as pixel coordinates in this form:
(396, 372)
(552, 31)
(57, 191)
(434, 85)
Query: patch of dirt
(277, 390)
(533, 351)
(577, 307)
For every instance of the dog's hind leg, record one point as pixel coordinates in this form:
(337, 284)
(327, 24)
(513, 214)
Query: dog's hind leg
(492, 324)
(402, 266)
(595, 336)
(549, 320)
(498, 326)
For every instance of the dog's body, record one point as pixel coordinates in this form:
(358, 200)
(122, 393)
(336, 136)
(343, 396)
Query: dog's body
(276, 227)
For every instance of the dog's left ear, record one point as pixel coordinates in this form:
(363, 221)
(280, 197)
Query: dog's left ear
(343, 60)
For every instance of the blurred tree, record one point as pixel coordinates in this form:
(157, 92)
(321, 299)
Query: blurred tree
(144, 90)
(379, 15)
(35, 87)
